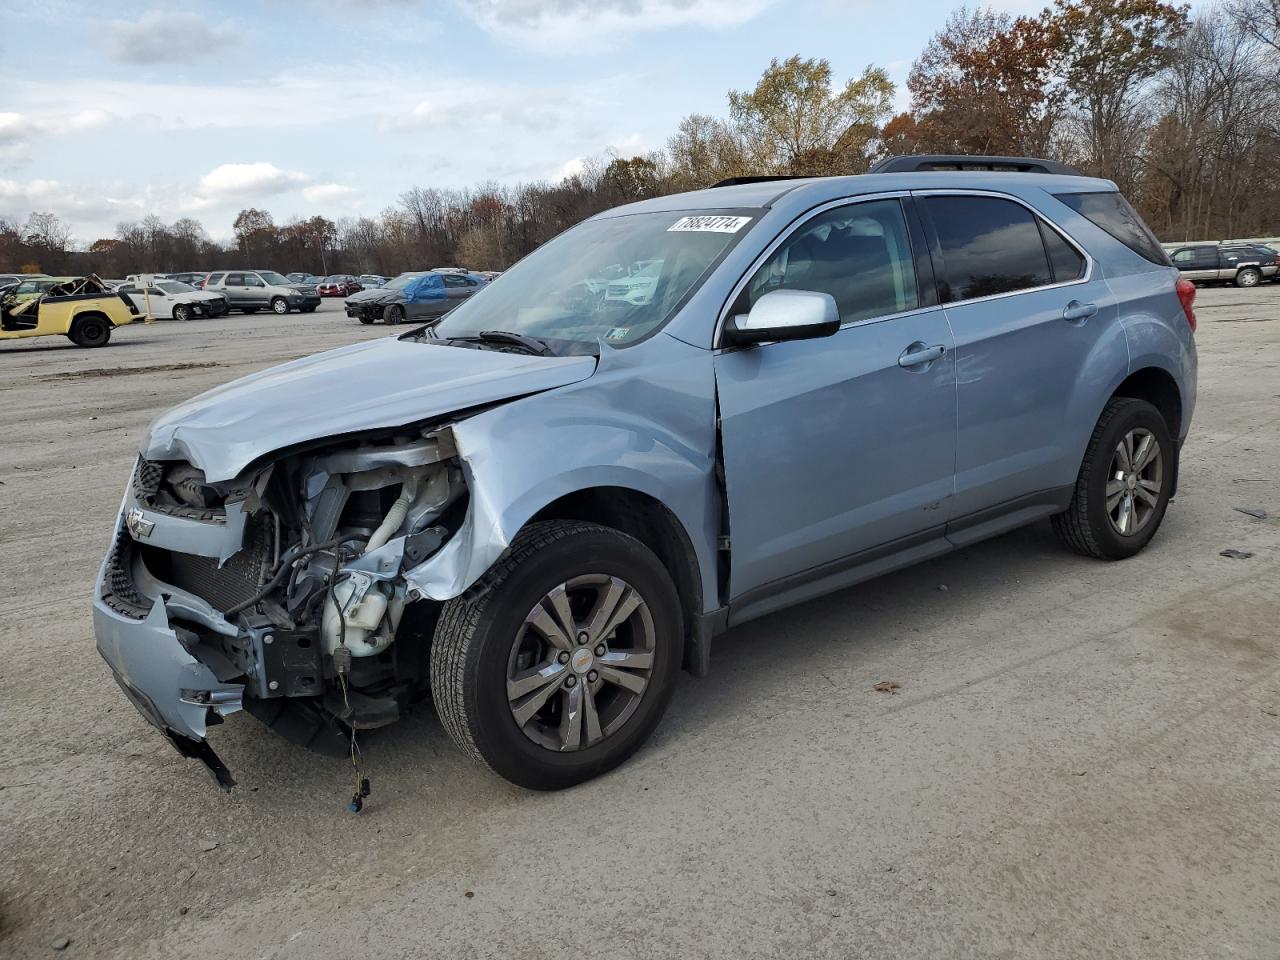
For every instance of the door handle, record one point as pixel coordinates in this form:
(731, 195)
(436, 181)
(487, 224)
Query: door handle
(1077, 311)
(918, 354)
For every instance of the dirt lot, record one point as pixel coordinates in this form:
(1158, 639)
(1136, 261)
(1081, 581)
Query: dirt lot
(1081, 760)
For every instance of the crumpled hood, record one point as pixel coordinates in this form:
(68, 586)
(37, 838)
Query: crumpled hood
(372, 385)
(372, 293)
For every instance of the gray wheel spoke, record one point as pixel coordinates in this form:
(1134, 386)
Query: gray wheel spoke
(564, 616)
(533, 703)
(571, 719)
(1124, 457)
(1147, 496)
(616, 603)
(1147, 450)
(535, 679)
(628, 659)
(590, 718)
(628, 681)
(1150, 486)
(545, 624)
(1125, 518)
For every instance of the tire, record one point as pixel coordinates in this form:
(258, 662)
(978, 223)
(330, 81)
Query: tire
(250, 310)
(1089, 526)
(1248, 277)
(182, 312)
(367, 321)
(279, 306)
(483, 640)
(394, 314)
(93, 330)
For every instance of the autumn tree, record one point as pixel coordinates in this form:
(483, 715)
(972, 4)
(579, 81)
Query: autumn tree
(794, 122)
(255, 232)
(985, 85)
(1111, 51)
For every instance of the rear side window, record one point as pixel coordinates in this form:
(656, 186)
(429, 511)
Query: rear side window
(215, 278)
(988, 246)
(1064, 259)
(1112, 213)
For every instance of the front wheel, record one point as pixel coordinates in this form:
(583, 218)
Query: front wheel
(182, 312)
(559, 663)
(280, 306)
(1124, 485)
(1248, 277)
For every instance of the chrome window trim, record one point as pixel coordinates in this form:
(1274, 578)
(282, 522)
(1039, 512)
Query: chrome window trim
(1039, 215)
(786, 233)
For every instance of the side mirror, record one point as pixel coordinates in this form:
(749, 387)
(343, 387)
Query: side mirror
(785, 315)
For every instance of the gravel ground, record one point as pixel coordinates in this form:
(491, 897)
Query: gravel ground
(1080, 760)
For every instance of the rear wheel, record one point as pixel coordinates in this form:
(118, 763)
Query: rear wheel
(1248, 277)
(279, 305)
(90, 331)
(394, 314)
(1124, 484)
(559, 663)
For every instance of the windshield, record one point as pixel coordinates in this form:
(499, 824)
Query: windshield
(400, 282)
(273, 279)
(173, 286)
(617, 279)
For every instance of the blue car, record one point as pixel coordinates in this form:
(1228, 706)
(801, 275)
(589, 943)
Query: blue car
(675, 417)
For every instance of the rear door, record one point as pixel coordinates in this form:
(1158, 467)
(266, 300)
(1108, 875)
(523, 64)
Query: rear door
(237, 292)
(837, 446)
(1028, 310)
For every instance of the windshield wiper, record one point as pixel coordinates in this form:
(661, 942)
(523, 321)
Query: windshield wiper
(529, 344)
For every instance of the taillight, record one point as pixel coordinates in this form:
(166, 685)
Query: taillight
(1187, 297)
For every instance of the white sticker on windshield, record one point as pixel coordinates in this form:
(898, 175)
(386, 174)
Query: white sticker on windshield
(708, 224)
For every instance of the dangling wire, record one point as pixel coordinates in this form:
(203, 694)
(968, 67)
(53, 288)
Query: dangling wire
(342, 664)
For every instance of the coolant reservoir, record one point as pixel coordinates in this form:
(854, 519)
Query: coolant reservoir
(361, 620)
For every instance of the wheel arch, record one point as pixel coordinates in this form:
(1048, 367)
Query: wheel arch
(81, 315)
(1160, 389)
(647, 519)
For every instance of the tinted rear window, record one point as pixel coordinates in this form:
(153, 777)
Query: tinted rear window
(988, 246)
(1112, 213)
(1065, 259)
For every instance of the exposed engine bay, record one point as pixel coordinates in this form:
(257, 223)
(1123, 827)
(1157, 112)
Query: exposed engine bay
(326, 628)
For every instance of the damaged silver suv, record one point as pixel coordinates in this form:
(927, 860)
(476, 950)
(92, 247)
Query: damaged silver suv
(675, 417)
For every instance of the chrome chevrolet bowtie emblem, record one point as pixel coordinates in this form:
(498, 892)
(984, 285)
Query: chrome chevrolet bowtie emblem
(139, 526)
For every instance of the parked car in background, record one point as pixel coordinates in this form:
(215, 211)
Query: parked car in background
(1245, 265)
(412, 296)
(543, 505)
(170, 298)
(83, 309)
(459, 270)
(368, 280)
(192, 277)
(297, 277)
(31, 287)
(254, 290)
(338, 285)
(489, 275)
(1262, 252)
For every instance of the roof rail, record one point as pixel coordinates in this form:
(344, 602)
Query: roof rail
(955, 162)
(737, 181)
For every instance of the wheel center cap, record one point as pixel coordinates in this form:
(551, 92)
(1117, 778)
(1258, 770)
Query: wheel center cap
(582, 660)
(1131, 481)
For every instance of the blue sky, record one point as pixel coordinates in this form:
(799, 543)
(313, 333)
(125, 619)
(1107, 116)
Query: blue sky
(333, 107)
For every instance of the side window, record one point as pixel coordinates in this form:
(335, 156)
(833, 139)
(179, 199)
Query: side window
(454, 281)
(1207, 254)
(1185, 255)
(214, 279)
(1064, 259)
(235, 279)
(860, 254)
(1112, 213)
(253, 280)
(154, 292)
(988, 246)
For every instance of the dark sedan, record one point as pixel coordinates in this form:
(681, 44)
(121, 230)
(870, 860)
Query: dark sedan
(412, 296)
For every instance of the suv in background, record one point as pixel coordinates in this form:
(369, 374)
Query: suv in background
(542, 505)
(1245, 265)
(254, 290)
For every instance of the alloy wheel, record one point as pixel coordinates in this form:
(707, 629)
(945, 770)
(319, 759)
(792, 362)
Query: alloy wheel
(581, 662)
(1134, 482)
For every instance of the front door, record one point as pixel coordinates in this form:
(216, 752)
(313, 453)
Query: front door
(835, 446)
(1197, 263)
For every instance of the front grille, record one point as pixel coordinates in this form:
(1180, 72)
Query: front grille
(222, 586)
(118, 590)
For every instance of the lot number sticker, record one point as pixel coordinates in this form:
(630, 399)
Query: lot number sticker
(716, 224)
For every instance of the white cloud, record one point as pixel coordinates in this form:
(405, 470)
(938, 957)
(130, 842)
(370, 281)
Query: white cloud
(330, 193)
(18, 130)
(236, 180)
(565, 23)
(162, 36)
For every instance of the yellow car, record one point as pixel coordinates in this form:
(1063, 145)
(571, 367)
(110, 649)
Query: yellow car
(83, 309)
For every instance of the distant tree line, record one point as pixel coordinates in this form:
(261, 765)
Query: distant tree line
(1182, 112)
